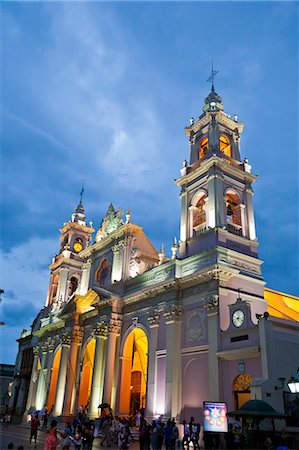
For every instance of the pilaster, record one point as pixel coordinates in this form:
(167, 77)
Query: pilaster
(216, 202)
(184, 222)
(173, 320)
(250, 213)
(211, 303)
(62, 285)
(85, 277)
(114, 328)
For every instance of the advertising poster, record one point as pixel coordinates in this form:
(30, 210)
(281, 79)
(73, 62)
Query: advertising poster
(215, 419)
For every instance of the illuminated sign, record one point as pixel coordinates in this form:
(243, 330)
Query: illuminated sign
(215, 418)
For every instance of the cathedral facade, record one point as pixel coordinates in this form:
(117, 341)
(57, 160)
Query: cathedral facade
(125, 325)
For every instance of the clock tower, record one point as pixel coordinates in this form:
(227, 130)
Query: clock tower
(66, 267)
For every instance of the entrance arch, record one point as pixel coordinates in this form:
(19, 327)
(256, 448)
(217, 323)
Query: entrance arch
(241, 389)
(86, 373)
(134, 372)
(54, 378)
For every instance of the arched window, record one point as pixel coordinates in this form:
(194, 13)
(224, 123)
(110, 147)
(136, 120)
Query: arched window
(224, 145)
(199, 212)
(102, 272)
(233, 212)
(203, 148)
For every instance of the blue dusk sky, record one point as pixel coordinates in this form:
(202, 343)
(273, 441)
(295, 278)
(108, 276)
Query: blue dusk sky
(102, 91)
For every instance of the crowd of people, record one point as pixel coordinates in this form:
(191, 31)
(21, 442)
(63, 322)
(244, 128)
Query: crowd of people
(118, 431)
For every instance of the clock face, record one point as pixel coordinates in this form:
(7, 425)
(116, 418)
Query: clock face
(77, 247)
(238, 318)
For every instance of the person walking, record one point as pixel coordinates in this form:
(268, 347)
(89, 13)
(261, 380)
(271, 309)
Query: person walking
(52, 440)
(35, 423)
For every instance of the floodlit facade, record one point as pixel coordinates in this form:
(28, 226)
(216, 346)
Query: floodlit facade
(125, 325)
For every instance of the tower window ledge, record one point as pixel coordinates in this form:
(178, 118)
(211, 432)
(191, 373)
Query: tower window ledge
(234, 229)
(201, 229)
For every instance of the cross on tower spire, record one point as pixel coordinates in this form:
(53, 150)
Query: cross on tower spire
(212, 76)
(82, 191)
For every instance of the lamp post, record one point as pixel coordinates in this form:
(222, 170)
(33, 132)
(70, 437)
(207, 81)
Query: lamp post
(293, 383)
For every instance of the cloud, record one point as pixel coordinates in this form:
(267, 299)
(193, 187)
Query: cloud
(38, 131)
(24, 268)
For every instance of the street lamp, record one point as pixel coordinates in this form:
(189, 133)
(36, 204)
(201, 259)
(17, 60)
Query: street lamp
(293, 383)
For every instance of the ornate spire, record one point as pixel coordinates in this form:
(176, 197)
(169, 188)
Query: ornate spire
(79, 213)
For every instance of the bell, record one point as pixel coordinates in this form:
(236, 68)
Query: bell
(229, 210)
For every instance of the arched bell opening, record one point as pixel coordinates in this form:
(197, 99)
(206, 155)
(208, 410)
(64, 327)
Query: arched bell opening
(233, 210)
(54, 379)
(225, 146)
(134, 372)
(203, 147)
(54, 288)
(86, 374)
(73, 285)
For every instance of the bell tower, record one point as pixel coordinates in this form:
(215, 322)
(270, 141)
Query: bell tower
(66, 267)
(216, 186)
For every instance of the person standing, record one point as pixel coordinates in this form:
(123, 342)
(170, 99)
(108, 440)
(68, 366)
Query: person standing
(35, 423)
(174, 435)
(168, 435)
(137, 419)
(106, 432)
(186, 435)
(45, 419)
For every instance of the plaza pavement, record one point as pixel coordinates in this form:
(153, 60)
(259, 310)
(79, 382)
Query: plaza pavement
(19, 435)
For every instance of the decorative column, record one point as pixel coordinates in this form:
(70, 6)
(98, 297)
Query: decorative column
(48, 370)
(100, 335)
(85, 277)
(184, 222)
(62, 285)
(65, 343)
(125, 243)
(211, 303)
(41, 385)
(153, 321)
(250, 214)
(114, 328)
(173, 320)
(216, 202)
(76, 339)
(32, 385)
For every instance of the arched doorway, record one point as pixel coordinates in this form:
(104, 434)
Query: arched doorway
(134, 372)
(53, 380)
(241, 389)
(86, 373)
